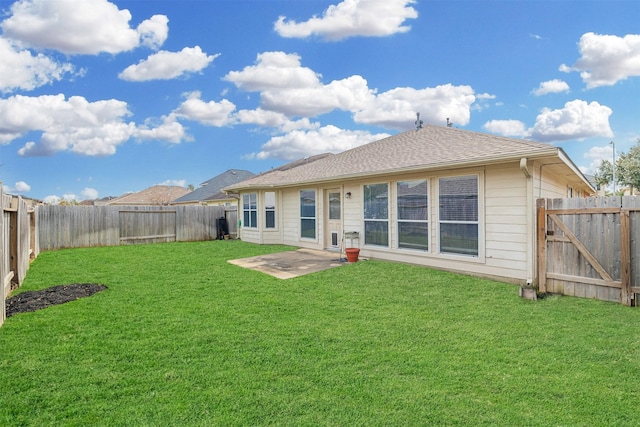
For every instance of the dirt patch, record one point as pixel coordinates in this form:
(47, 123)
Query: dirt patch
(37, 300)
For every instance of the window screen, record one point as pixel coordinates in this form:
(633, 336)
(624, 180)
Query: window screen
(459, 215)
(413, 211)
(376, 214)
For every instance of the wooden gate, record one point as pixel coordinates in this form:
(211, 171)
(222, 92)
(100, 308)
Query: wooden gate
(589, 247)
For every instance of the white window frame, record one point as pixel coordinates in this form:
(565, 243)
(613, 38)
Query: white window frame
(246, 212)
(270, 208)
(399, 220)
(375, 220)
(478, 222)
(309, 218)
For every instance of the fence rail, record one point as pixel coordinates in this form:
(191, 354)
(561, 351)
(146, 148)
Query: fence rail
(589, 248)
(85, 226)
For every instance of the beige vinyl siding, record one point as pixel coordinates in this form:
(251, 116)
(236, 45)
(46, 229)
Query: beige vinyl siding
(506, 220)
(270, 236)
(290, 216)
(251, 235)
(553, 186)
(507, 235)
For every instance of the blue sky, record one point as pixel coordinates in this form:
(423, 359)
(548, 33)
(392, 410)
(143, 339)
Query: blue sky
(100, 98)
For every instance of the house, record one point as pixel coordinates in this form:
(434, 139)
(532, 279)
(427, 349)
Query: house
(210, 192)
(436, 196)
(157, 195)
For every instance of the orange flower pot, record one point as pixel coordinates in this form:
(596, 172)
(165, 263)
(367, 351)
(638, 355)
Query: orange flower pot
(352, 254)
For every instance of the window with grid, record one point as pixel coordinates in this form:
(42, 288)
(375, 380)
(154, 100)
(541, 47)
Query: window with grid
(308, 214)
(413, 214)
(250, 210)
(459, 215)
(376, 214)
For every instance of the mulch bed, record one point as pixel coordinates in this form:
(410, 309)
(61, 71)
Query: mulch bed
(37, 300)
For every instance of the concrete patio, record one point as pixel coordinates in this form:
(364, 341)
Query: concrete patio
(285, 265)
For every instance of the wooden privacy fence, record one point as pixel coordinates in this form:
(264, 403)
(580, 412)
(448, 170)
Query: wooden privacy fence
(85, 226)
(18, 244)
(590, 247)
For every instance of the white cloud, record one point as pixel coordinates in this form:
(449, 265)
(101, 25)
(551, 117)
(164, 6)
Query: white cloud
(577, 120)
(89, 193)
(80, 27)
(209, 113)
(153, 32)
(507, 127)
(352, 18)
(551, 86)
(90, 128)
(291, 89)
(165, 65)
(20, 69)
(482, 101)
(274, 70)
(596, 155)
(175, 182)
(19, 187)
(397, 108)
(350, 94)
(22, 187)
(74, 124)
(168, 130)
(607, 59)
(288, 88)
(298, 144)
(272, 119)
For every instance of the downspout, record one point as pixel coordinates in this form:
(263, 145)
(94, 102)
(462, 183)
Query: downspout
(531, 241)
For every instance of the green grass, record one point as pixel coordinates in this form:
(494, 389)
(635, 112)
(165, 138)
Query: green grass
(181, 337)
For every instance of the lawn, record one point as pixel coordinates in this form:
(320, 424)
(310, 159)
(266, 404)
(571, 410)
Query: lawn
(181, 337)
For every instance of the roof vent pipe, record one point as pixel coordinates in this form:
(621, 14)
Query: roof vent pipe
(418, 121)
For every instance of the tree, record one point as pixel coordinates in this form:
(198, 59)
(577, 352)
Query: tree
(627, 169)
(628, 166)
(604, 174)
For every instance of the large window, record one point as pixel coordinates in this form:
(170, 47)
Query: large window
(270, 209)
(413, 212)
(459, 215)
(250, 210)
(308, 214)
(376, 214)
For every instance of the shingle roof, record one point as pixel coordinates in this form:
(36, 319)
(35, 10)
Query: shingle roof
(212, 189)
(156, 195)
(431, 147)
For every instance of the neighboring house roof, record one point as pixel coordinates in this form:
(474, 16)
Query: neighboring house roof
(156, 195)
(97, 202)
(428, 148)
(212, 189)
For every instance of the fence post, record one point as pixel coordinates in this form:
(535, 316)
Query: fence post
(541, 231)
(3, 259)
(625, 258)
